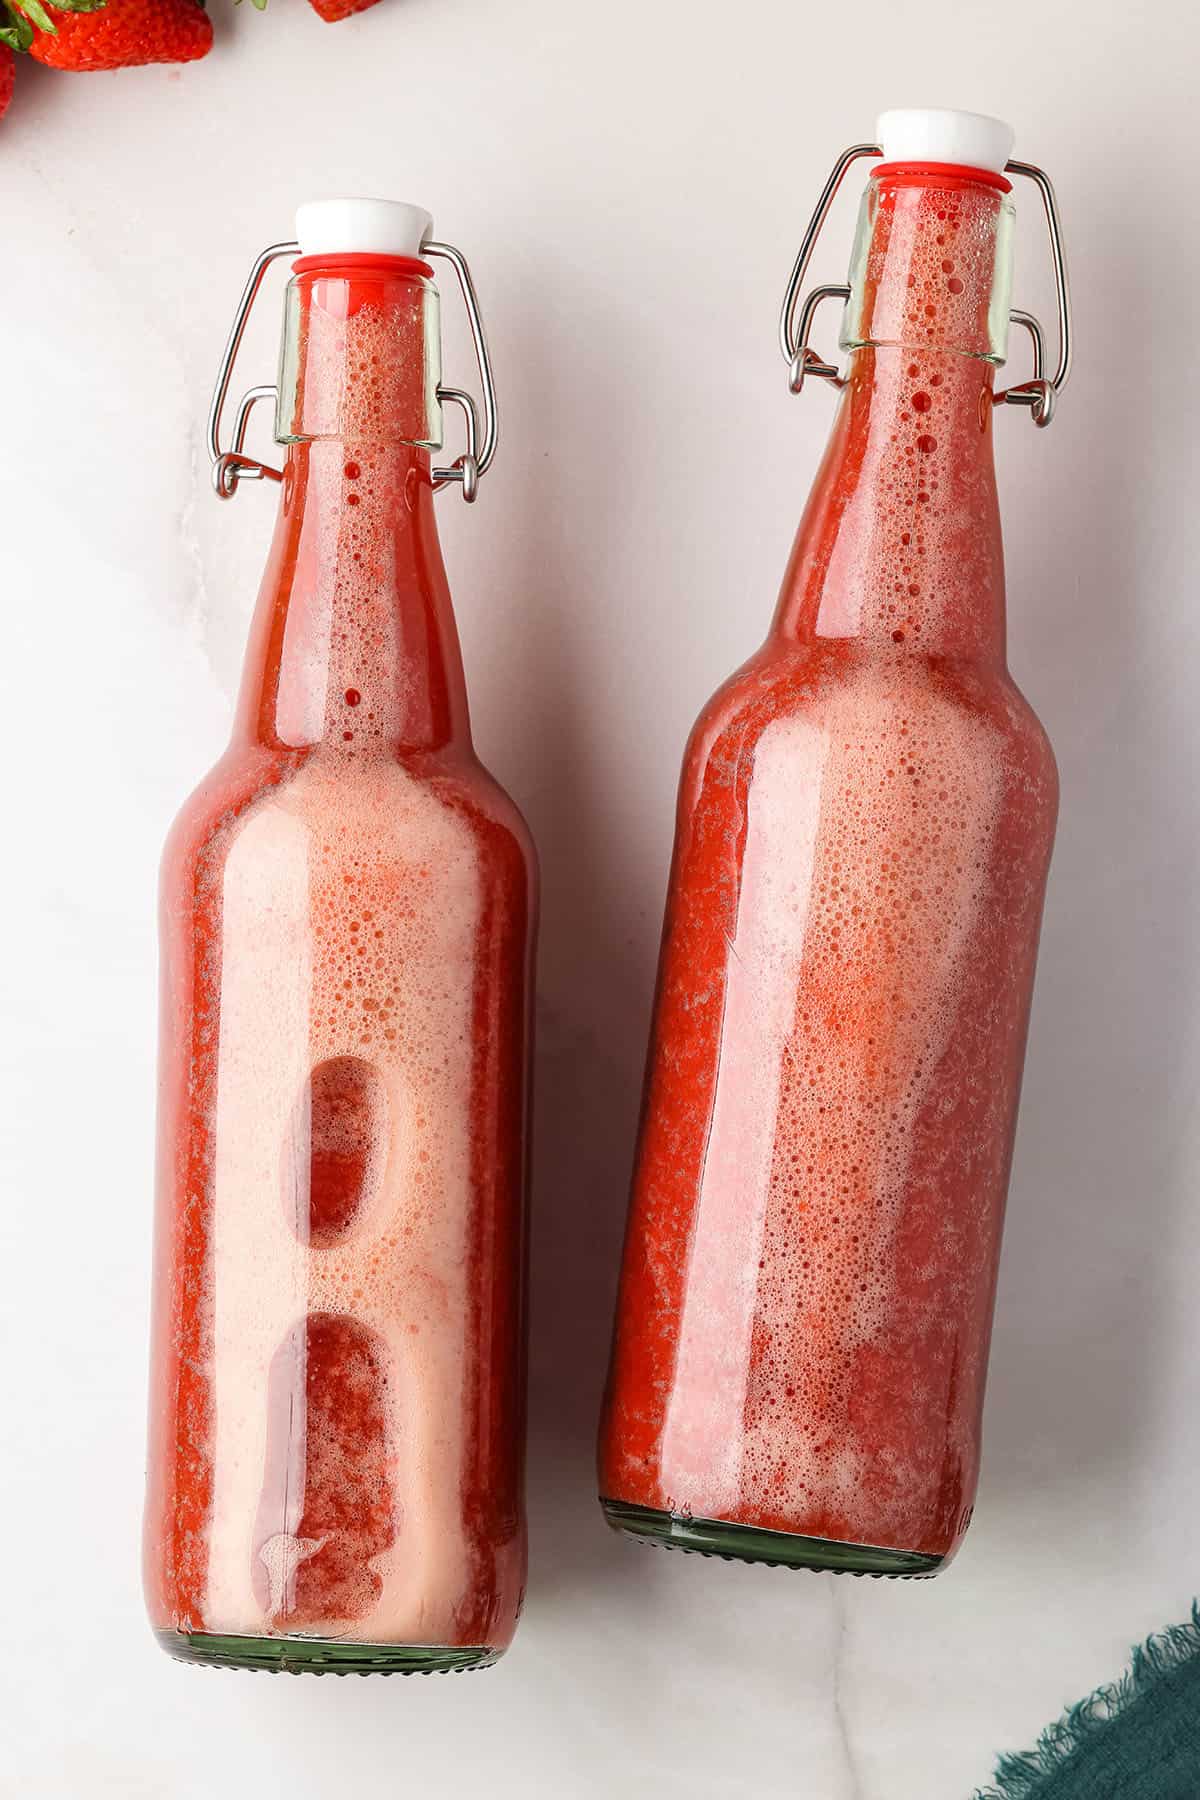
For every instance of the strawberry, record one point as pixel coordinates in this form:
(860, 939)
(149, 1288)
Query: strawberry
(18, 18)
(333, 10)
(118, 34)
(8, 68)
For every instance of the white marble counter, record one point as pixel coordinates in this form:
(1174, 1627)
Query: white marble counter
(630, 182)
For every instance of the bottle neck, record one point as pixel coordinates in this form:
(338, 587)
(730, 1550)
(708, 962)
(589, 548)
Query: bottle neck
(354, 648)
(899, 548)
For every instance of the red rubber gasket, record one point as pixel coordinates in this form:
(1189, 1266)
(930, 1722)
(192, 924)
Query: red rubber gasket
(913, 174)
(332, 263)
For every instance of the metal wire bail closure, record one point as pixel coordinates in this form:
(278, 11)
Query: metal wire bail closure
(232, 465)
(469, 468)
(798, 353)
(1038, 393)
(229, 467)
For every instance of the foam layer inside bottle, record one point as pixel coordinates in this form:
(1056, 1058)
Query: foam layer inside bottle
(343, 1207)
(349, 916)
(865, 819)
(864, 877)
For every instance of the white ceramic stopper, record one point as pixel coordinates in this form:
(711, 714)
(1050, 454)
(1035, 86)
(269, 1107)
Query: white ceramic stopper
(933, 134)
(361, 227)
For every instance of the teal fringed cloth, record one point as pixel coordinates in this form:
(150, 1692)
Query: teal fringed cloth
(1136, 1740)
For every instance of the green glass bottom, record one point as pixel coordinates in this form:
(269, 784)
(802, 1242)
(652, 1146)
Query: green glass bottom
(749, 1543)
(322, 1656)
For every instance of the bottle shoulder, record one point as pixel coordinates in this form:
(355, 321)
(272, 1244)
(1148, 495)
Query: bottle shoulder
(836, 686)
(1026, 723)
(493, 808)
(446, 813)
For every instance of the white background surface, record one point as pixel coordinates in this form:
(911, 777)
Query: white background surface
(629, 181)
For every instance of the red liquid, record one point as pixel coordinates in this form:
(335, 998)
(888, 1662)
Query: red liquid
(347, 914)
(865, 822)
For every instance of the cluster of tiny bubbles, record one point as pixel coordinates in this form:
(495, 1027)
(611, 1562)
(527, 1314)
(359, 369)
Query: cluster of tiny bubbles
(932, 285)
(365, 384)
(392, 904)
(384, 989)
(898, 888)
(364, 373)
(385, 930)
(362, 709)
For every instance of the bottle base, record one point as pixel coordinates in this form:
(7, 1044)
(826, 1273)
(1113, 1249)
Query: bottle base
(778, 1549)
(323, 1656)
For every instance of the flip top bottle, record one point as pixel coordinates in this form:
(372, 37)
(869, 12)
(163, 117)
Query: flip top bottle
(348, 902)
(864, 830)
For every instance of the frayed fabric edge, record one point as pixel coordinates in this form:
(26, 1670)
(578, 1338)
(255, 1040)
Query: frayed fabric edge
(1019, 1776)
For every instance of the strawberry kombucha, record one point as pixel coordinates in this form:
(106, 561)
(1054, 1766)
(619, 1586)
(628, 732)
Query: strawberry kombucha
(864, 829)
(347, 911)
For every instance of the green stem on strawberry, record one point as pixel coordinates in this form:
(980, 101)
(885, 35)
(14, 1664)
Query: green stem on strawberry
(19, 18)
(15, 31)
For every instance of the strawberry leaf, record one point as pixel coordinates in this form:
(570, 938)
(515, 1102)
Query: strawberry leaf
(33, 9)
(15, 29)
(20, 18)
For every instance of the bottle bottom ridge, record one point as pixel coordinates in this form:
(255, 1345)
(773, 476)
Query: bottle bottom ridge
(322, 1656)
(751, 1543)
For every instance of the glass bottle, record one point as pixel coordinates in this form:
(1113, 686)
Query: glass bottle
(864, 829)
(348, 900)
